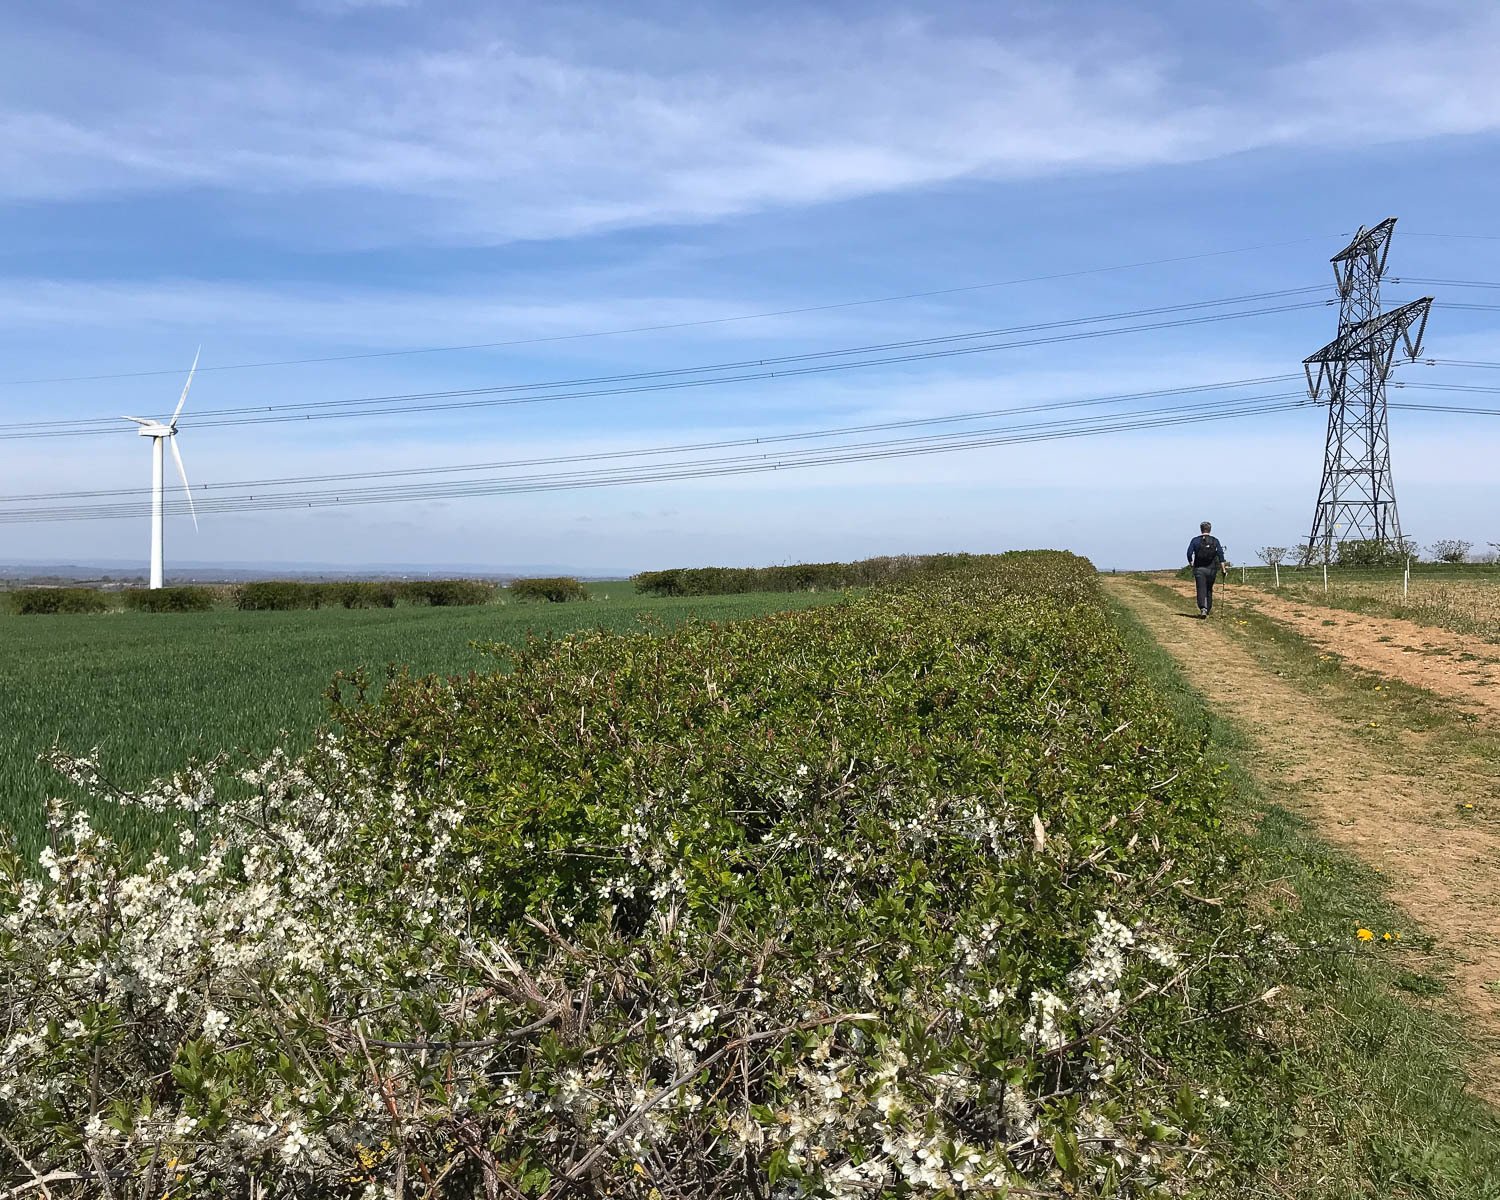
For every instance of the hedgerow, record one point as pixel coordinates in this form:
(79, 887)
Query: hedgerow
(360, 594)
(797, 577)
(169, 599)
(286, 594)
(556, 590)
(919, 894)
(446, 592)
(40, 601)
(279, 595)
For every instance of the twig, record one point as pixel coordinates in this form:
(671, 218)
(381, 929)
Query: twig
(38, 1180)
(1088, 1035)
(477, 1044)
(1265, 997)
(686, 1077)
(41, 1181)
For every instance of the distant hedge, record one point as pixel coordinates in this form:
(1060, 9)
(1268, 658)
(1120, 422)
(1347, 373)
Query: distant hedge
(798, 577)
(38, 601)
(169, 599)
(360, 594)
(284, 594)
(446, 592)
(557, 589)
(278, 595)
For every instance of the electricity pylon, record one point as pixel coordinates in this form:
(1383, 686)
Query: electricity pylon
(1357, 498)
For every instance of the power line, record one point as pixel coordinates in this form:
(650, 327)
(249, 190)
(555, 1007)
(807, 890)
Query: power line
(762, 439)
(734, 465)
(1449, 408)
(1445, 387)
(757, 316)
(112, 422)
(495, 395)
(1474, 283)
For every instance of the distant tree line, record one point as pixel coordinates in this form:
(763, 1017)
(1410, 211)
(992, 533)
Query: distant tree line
(796, 577)
(1358, 552)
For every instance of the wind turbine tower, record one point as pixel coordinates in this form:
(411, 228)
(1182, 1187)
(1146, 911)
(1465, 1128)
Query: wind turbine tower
(161, 433)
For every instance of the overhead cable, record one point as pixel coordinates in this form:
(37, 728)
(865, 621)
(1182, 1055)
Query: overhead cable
(680, 448)
(725, 466)
(497, 395)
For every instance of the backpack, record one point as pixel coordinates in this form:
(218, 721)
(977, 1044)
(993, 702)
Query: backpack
(1210, 552)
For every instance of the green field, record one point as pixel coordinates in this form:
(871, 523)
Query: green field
(153, 691)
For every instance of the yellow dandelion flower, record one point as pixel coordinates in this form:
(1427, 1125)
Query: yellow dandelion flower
(1364, 934)
(1385, 937)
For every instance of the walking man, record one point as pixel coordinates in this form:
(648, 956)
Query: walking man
(1206, 554)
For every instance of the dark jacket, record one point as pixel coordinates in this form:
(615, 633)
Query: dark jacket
(1205, 550)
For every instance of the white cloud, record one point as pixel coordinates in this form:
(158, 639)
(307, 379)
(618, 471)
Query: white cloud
(492, 137)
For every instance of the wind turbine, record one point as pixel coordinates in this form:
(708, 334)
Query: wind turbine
(160, 433)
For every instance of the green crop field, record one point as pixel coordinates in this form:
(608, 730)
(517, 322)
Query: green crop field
(154, 690)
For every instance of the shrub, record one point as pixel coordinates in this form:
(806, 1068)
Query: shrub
(1371, 553)
(50, 600)
(1272, 556)
(278, 595)
(360, 594)
(799, 577)
(446, 592)
(170, 599)
(558, 590)
(899, 896)
(1450, 550)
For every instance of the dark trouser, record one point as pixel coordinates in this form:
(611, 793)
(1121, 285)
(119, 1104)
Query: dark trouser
(1204, 578)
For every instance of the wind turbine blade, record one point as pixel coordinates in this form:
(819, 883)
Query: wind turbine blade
(188, 384)
(181, 470)
(138, 420)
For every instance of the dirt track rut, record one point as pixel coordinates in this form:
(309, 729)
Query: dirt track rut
(1464, 669)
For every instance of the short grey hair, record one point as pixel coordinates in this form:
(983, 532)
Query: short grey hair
(1205, 526)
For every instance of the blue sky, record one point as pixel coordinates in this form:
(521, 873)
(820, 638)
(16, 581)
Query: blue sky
(336, 177)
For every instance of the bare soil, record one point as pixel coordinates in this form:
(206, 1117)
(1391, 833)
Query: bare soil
(1400, 814)
(1464, 669)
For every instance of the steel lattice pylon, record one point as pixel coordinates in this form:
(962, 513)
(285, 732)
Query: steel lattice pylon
(1357, 497)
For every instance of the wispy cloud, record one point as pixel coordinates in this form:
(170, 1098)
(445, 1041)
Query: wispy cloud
(487, 135)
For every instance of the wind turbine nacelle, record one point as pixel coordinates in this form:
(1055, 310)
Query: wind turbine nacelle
(156, 431)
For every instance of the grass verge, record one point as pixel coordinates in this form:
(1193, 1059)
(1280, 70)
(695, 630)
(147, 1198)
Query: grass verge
(1370, 1097)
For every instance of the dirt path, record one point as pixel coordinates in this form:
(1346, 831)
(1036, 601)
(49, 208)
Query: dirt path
(1400, 818)
(1465, 669)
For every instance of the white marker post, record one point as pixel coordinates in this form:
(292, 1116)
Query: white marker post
(1276, 567)
(1325, 579)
